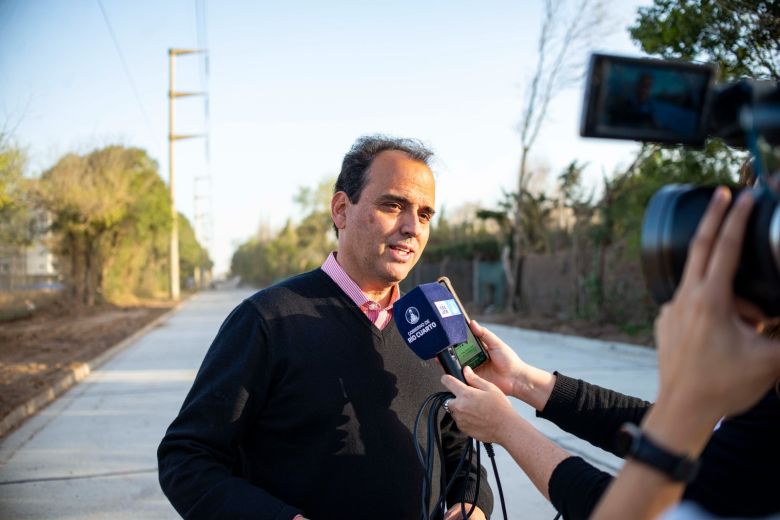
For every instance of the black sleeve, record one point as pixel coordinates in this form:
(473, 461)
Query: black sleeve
(200, 449)
(465, 484)
(591, 412)
(575, 488)
(739, 466)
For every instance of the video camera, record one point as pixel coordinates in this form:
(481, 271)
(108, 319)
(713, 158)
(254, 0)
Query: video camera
(675, 102)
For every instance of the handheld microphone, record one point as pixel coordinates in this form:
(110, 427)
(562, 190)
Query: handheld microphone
(430, 322)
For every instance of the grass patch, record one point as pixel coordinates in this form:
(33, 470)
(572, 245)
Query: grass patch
(636, 329)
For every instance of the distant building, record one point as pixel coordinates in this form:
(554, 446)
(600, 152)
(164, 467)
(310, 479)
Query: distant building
(29, 267)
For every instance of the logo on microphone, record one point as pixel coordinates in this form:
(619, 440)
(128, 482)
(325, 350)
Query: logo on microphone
(412, 315)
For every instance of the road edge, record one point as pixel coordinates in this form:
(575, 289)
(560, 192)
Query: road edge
(45, 397)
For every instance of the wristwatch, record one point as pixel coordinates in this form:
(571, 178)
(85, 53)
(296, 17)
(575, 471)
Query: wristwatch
(632, 442)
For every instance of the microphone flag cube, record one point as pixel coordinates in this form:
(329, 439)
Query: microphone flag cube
(429, 320)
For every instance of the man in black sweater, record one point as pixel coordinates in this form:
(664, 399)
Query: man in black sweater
(304, 404)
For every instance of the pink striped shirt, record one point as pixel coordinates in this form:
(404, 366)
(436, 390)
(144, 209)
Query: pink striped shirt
(379, 316)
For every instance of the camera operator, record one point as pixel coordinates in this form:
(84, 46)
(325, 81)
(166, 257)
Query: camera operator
(712, 363)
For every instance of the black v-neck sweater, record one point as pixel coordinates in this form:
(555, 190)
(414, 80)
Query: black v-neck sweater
(302, 405)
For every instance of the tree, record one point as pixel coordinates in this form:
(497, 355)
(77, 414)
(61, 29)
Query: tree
(296, 247)
(193, 257)
(576, 215)
(741, 36)
(315, 230)
(109, 200)
(16, 210)
(567, 30)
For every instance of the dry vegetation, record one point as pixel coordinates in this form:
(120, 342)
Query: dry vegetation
(42, 337)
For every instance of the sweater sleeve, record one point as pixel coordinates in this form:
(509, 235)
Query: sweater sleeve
(575, 488)
(197, 456)
(465, 483)
(591, 412)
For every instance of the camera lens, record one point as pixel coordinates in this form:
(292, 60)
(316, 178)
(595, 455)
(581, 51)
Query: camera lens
(670, 222)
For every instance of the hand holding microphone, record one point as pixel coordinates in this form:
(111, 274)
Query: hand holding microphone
(480, 408)
(433, 324)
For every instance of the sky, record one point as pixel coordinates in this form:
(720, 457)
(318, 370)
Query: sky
(290, 85)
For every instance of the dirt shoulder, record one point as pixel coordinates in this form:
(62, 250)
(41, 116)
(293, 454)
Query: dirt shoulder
(38, 350)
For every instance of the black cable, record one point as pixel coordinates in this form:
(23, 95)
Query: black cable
(492, 455)
(463, 498)
(433, 445)
(427, 469)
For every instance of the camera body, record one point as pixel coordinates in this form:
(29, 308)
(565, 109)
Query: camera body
(675, 102)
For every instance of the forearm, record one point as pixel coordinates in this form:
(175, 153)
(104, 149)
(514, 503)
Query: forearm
(590, 412)
(534, 386)
(536, 455)
(642, 491)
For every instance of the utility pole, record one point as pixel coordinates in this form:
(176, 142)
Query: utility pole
(172, 136)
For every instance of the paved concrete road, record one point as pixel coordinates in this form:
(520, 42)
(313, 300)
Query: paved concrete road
(91, 454)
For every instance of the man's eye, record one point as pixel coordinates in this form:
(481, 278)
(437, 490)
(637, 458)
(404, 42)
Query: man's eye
(393, 206)
(426, 217)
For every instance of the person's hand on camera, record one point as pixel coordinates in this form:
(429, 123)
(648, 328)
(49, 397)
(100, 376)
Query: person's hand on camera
(712, 361)
(511, 374)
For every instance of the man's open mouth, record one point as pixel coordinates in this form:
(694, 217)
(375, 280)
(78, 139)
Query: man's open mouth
(404, 250)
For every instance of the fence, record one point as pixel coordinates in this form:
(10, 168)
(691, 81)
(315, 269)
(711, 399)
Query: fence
(561, 285)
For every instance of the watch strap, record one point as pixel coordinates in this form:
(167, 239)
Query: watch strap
(643, 449)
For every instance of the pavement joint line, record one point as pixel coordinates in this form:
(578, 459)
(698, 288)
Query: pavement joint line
(156, 390)
(79, 477)
(36, 403)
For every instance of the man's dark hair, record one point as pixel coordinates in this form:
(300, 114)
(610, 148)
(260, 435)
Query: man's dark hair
(354, 168)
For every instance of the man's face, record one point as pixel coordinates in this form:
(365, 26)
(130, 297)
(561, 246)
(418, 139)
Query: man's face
(382, 236)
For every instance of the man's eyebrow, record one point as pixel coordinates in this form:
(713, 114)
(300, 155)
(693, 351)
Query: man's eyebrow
(404, 201)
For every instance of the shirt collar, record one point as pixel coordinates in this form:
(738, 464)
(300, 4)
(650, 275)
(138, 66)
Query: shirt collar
(334, 270)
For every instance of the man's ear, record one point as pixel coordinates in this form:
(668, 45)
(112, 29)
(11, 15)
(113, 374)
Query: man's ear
(338, 209)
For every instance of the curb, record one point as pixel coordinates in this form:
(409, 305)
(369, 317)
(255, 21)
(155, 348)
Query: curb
(35, 404)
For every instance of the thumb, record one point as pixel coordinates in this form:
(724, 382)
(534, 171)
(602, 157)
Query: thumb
(488, 338)
(475, 381)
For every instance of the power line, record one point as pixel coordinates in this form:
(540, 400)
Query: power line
(200, 32)
(127, 70)
(202, 204)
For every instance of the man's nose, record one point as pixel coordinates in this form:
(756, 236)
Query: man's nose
(410, 224)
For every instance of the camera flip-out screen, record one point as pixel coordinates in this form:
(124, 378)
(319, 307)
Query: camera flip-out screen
(646, 100)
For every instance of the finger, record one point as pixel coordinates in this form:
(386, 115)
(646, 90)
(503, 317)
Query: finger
(487, 337)
(728, 248)
(453, 385)
(477, 329)
(706, 233)
(477, 382)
